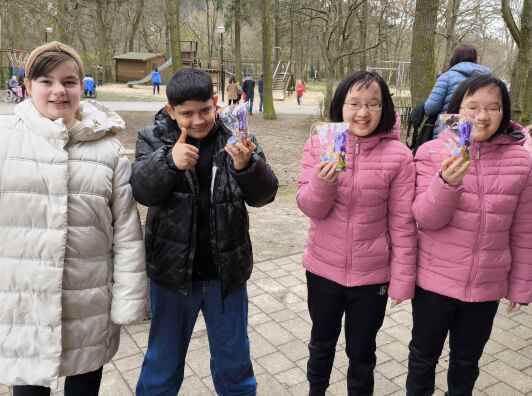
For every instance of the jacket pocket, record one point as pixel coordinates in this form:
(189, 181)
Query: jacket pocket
(170, 238)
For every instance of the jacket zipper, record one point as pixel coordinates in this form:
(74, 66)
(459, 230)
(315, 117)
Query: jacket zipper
(476, 253)
(351, 205)
(212, 226)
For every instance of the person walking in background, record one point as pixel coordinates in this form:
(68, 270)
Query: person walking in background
(260, 84)
(248, 87)
(232, 91)
(463, 64)
(300, 90)
(361, 246)
(156, 80)
(474, 215)
(72, 256)
(99, 75)
(88, 86)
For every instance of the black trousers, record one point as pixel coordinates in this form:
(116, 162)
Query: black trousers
(87, 384)
(364, 308)
(469, 325)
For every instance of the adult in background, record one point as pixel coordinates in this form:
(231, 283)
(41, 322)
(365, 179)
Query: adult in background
(232, 91)
(463, 64)
(248, 86)
(260, 84)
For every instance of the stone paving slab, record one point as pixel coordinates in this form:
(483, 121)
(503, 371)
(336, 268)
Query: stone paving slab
(279, 328)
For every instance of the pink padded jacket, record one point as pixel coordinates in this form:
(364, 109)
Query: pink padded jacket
(362, 231)
(475, 241)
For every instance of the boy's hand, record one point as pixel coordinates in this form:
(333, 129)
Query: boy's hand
(240, 153)
(185, 156)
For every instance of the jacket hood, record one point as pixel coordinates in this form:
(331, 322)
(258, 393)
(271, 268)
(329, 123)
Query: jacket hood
(468, 68)
(96, 121)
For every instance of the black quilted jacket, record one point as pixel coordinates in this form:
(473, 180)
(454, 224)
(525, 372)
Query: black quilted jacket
(172, 198)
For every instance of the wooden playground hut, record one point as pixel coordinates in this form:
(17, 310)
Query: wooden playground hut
(136, 65)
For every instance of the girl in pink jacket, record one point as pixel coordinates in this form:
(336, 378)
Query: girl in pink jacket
(474, 215)
(362, 239)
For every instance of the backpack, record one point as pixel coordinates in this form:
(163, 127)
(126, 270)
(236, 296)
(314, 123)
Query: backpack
(420, 127)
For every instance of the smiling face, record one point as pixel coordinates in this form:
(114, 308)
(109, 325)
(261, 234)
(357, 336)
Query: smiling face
(484, 110)
(362, 109)
(57, 94)
(196, 117)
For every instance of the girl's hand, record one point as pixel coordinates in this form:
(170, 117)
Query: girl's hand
(513, 307)
(396, 302)
(326, 171)
(454, 169)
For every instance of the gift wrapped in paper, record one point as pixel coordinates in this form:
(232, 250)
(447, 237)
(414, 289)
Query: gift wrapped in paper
(332, 138)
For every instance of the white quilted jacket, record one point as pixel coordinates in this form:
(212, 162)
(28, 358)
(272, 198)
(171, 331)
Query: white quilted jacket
(71, 252)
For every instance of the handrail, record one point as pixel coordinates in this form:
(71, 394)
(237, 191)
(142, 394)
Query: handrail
(276, 68)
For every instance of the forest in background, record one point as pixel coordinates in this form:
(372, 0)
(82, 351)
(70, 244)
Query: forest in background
(326, 38)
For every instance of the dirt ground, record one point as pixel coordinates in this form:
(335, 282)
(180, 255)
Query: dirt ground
(278, 229)
(144, 92)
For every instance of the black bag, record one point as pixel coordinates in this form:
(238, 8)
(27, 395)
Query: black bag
(420, 127)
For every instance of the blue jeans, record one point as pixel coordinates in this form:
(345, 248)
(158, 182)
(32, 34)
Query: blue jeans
(173, 317)
(261, 101)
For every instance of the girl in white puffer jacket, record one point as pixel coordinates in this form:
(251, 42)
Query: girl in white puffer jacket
(71, 250)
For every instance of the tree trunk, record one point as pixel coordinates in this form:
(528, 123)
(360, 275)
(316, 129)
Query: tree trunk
(363, 60)
(269, 110)
(61, 21)
(339, 67)
(276, 33)
(238, 54)
(521, 99)
(135, 25)
(173, 7)
(329, 84)
(103, 38)
(453, 6)
(524, 66)
(422, 54)
(291, 17)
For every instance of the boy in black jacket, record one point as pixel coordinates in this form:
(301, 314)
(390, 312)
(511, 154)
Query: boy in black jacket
(197, 241)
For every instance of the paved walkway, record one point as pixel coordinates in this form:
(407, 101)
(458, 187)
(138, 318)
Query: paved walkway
(279, 328)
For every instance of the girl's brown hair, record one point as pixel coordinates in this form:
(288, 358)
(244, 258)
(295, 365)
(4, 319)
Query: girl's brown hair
(42, 60)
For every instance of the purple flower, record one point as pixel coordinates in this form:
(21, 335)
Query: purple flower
(340, 142)
(464, 131)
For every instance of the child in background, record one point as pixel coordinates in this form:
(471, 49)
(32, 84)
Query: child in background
(300, 90)
(156, 80)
